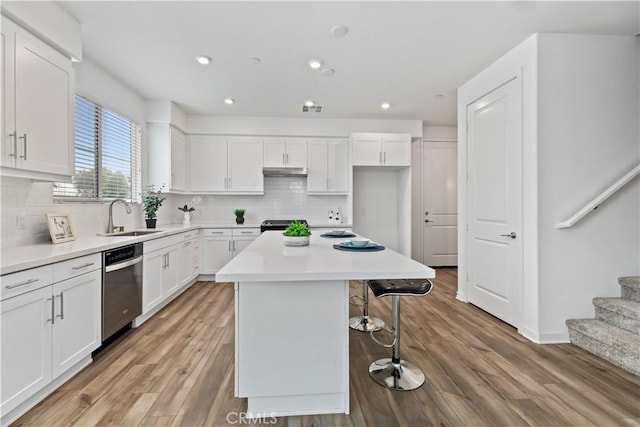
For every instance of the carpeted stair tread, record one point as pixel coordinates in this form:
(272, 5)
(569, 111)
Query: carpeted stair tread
(630, 287)
(619, 312)
(616, 345)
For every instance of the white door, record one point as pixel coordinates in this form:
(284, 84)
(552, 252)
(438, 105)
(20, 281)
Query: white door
(338, 152)
(208, 164)
(396, 150)
(317, 178)
(367, 150)
(77, 329)
(494, 138)
(26, 346)
(440, 203)
(245, 165)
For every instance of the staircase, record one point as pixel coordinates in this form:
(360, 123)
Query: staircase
(614, 334)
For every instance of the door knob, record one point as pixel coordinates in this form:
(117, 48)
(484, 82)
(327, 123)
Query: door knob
(513, 235)
(427, 220)
(426, 213)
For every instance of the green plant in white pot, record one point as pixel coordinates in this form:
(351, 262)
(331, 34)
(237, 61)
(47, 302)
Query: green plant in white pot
(152, 199)
(297, 234)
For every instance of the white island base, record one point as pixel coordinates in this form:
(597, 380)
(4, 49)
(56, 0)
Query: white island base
(292, 347)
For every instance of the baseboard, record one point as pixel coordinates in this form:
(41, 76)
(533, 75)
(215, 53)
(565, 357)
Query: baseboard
(461, 296)
(547, 338)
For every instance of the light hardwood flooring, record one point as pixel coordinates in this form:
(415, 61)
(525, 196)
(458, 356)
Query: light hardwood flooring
(177, 369)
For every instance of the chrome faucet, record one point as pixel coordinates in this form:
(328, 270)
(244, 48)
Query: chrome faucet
(110, 224)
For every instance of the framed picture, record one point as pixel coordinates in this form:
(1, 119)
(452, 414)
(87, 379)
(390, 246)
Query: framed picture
(60, 227)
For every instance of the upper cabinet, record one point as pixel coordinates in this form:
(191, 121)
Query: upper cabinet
(328, 166)
(37, 105)
(226, 165)
(168, 154)
(285, 152)
(381, 149)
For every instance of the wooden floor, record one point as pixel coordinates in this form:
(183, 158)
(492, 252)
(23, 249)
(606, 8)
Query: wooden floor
(177, 369)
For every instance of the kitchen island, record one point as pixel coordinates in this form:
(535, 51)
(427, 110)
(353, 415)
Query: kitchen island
(291, 321)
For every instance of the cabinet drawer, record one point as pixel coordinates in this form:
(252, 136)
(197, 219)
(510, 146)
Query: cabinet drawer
(165, 242)
(190, 235)
(74, 267)
(246, 232)
(216, 232)
(24, 281)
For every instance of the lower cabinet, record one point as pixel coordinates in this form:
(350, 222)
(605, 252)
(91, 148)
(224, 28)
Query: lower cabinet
(46, 331)
(220, 245)
(168, 265)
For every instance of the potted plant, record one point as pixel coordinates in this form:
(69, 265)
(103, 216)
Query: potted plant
(239, 216)
(151, 201)
(297, 234)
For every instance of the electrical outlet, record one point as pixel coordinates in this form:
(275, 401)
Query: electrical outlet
(20, 222)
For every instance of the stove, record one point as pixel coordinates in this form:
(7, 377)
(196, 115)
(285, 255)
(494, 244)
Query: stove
(278, 224)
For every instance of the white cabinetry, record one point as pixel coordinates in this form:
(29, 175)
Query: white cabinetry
(37, 104)
(220, 245)
(328, 167)
(47, 328)
(285, 152)
(226, 165)
(169, 266)
(168, 154)
(381, 149)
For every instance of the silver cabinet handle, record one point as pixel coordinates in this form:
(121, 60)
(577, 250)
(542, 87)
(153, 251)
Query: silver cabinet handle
(246, 232)
(120, 266)
(24, 138)
(513, 235)
(26, 282)
(229, 246)
(14, 135)
(384, 157)
(53, 308)
(61, 315)
(79, 267)
(284, 162)
(287, 157)
(168, 260)
(234, 246)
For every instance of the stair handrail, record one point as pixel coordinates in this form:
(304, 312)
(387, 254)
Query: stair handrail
(600, 198)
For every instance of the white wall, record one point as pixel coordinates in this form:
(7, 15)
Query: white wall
(588, 138)
(35, 199)
(283, 126)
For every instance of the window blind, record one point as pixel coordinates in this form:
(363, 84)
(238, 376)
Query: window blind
(107, 156)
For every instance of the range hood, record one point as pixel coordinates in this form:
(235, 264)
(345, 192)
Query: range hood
(271, 171)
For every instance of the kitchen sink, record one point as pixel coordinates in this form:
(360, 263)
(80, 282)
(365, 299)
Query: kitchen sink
(131, 233)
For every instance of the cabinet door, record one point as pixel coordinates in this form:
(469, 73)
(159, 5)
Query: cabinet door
(178, 160)
(43, 107)
(77, 328)
(338, 152)
(240, 243)
(317, 178)
(208, 166)
(296, 153)
(171, 279)
(216, 252)
(153, 265)
(367, 150)
(7, 44)
(185, 264)
(274, 153)
(245, 165)
(25, 346)
(396, 150)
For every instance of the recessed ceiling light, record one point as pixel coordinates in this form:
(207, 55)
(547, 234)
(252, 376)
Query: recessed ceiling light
(315, 64)
(385, 105)
(328, 72)
(229, 101)
(308, 103)
(339, 31)
(203, 59)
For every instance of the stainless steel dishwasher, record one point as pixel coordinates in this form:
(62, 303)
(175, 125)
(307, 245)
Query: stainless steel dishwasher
(121, 288)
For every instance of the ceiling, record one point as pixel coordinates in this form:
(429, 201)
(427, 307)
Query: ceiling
(413, 55)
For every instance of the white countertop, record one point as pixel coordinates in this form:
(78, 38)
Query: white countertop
(268, 260)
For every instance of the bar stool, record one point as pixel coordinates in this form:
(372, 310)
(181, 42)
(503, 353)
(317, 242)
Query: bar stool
(395, 373)
(365, 323)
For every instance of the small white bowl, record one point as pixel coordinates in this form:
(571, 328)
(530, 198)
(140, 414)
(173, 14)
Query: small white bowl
(358, 243)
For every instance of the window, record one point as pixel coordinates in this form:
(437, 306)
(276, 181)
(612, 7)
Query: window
(107, 156)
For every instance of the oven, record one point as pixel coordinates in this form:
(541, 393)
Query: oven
(121, 288)
(278, 224)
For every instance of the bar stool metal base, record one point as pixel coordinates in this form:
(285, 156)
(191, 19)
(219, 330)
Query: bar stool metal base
(368, 324)
(401, 376)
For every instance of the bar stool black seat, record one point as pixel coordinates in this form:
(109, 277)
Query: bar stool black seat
(395, 373)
